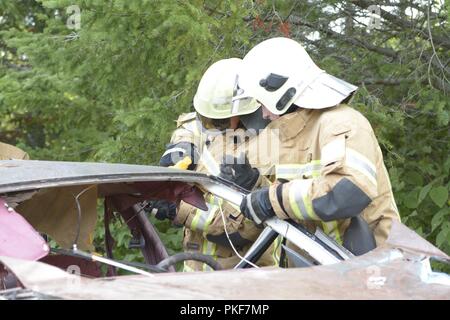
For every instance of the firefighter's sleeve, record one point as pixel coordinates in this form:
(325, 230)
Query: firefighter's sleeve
(8, 152)
(184, 142)
(210, 223)
(347, 182)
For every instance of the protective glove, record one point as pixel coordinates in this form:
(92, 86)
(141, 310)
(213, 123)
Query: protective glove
(178, 152)
(162, 209)
(239, 171)
(256, 206)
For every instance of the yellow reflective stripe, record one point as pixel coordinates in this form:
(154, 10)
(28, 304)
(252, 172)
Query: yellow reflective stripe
(277, 250)
(202, 219)
(295, 208)
(297, 171)
(209, 249)
(337, 234)
(359, 162)
(186, 268)
(299, 200)
(197, 218)
(211, 215)
(331, 228)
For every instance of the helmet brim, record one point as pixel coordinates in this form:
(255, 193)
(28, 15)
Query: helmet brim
(206, 109)
(326, 91)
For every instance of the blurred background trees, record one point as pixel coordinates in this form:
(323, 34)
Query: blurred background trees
(112, 89)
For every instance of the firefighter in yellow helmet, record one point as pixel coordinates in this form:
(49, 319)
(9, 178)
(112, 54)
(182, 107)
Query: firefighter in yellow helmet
(329, 168)
(199, 136)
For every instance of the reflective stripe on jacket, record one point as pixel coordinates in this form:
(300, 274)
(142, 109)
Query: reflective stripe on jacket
(331, 168)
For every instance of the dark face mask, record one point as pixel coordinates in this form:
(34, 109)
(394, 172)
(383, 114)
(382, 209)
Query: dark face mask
(254, 120)
(218, 124)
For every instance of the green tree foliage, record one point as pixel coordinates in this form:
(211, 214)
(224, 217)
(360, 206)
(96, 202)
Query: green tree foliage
(111, 90)
(400, 59)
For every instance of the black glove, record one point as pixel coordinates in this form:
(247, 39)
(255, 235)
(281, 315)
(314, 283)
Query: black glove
(239, 171)
(256, 206)
(177, 152)
(162, 209)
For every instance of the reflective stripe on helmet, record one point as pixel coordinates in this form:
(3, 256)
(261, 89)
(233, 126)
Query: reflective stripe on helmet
(216, 89)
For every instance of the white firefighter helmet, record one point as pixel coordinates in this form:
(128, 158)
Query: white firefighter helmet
(215, 91)
(278, 72)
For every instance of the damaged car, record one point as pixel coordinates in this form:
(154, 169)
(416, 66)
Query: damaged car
(49, 211)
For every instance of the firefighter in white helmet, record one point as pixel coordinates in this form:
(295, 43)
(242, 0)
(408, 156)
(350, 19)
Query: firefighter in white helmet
(330, 172)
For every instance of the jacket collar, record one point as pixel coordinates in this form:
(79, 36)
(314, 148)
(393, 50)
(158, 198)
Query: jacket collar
(290, 125)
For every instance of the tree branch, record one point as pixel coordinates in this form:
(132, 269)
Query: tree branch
(364, 4)
(351, 40)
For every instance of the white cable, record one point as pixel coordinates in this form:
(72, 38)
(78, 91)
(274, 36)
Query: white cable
(229, 240)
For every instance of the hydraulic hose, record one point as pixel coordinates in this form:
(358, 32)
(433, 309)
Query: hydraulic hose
(183, 256)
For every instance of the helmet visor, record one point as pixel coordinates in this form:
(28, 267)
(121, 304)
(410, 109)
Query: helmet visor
(241, 103)
(326, 91)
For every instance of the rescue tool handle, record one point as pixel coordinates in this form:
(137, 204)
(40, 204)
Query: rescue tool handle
(301, 239)
(183, 164)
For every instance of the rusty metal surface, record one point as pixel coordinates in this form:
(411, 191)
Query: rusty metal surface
(397, 270)
(388, 272)
(381, 274)
(403, 237)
